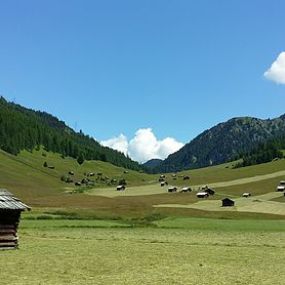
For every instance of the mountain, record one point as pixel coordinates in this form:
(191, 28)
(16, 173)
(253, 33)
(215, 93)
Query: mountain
(224, 142)
(26, 129)
(152, 163)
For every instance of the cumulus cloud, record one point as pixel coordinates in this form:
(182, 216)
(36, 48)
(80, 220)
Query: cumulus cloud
(276, 72)
(119, 143)
(144, 145)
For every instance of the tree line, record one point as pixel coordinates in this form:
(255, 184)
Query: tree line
(264, 152)
(22, 128)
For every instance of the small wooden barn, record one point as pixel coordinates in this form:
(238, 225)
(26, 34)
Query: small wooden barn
(172, 189)
(10, 212)
(227, 202)
(185, 189)
(121, 187)
(202, 195)
(209, 191)
(280, 188)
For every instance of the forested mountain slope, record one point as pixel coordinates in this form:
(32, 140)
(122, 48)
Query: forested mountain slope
(224, 142)
(22, 128)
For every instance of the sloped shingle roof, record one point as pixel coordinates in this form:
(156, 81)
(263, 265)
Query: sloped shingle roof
(9, 202)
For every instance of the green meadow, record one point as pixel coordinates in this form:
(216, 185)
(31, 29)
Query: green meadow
(171, 251)
(97, 235)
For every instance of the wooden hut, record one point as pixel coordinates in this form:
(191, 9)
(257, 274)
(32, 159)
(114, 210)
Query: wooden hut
(10, 212)
(185, 189)
(172, 189)
(202, 195)
(121, 187)
(209, 191)
(227, 202)
(280, 188)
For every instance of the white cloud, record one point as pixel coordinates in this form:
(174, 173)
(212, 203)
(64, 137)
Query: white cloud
(276, 72)
(119, 143)
(144, 145)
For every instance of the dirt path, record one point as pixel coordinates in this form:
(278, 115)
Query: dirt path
(246, 180)
(156, 189)
(256, 204)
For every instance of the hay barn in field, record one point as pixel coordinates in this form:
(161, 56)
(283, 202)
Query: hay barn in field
(10, 212)
(209, 191)
(121, 187)
(172, 189)
(202, 195)
(228, 202)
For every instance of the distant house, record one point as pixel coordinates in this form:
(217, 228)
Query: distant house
(121, 187)
(202, 195)
(246, 195)
(185, 189)
(10, 212)
(186, 177)
(280, 188)
(209, 191)
(172, 189)
(282, 182)
(227, 202)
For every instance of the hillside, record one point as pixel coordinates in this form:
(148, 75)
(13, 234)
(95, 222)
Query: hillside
(26, 176)
(224, 142)
(26, 129)
(152, 163)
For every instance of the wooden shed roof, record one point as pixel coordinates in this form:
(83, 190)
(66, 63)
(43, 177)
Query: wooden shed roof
(9, 202)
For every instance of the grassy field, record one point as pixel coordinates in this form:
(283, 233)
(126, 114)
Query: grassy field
(103, 236)
(174, 251)
(40, 187)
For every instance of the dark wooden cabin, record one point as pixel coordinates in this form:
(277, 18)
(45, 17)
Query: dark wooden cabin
(228, 202)
(10, 212)
(210, 191)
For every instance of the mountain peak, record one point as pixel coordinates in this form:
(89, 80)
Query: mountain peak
(223, 142)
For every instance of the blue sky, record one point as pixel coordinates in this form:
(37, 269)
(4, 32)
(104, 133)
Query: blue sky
(114, 67)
